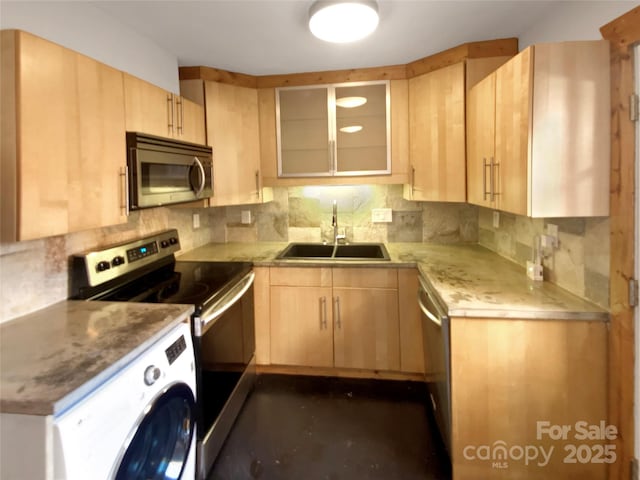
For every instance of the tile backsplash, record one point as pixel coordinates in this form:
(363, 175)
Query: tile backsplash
(580, 263)
(34, 274)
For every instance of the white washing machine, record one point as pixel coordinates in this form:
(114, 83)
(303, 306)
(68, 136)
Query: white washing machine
(138, 425)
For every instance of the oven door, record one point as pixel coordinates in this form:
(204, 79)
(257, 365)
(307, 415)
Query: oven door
(224, 340)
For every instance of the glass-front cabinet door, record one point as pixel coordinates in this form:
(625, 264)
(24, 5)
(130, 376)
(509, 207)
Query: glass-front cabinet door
(333, 130)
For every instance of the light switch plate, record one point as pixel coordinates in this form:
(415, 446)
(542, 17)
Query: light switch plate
(245, 217)
(381, 215)
(196, 220)
(496, 219)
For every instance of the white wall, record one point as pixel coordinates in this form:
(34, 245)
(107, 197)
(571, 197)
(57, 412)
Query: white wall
(574, 20)
(86, 29)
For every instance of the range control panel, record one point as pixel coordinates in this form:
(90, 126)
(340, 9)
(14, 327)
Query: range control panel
(116, 260)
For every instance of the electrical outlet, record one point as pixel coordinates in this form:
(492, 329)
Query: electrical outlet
(552, 230)
(196, 220)
(496, 219)
(245, 217)
(381, 215)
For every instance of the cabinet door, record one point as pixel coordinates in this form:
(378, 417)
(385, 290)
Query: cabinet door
(301, 326)
(62, 140)
(437, 135)
(410, 322)
(362, 129)
(233, 132)
(514, 83)
(481, 175)
(149, 109)
(366, 331)
(303, 132)
(191, 121)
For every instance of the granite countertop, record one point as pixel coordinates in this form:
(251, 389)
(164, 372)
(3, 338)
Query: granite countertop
(51, 358)
(470, 280)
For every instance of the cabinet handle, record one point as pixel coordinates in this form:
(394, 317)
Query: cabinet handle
(180, 116)
(492, 180)
(485, 164)
(170, 112)
(413, 180)
(124, 175)
(323, 314)
(337, 313)
(258, 183)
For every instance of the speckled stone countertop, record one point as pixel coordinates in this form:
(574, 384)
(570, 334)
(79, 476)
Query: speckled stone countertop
(469, 280)
(51, 358)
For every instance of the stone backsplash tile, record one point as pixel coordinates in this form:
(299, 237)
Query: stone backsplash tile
(580, 264)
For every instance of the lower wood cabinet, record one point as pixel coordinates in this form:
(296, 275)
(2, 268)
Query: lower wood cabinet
(342, 318)
(524, 395)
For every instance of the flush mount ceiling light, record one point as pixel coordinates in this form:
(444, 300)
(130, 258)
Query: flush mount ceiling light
(350, 102)
(343, 21)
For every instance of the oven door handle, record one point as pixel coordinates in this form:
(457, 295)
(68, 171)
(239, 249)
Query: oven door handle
(202, 322)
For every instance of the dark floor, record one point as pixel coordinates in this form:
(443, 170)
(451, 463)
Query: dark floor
(295, 427)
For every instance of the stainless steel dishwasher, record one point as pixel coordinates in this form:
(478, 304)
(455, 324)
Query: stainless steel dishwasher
(437, 361)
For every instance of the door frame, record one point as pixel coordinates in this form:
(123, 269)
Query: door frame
(622, 33)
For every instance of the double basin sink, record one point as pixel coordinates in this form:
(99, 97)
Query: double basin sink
(320, 251)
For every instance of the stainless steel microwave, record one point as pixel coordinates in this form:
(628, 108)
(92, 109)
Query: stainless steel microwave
(163, 171)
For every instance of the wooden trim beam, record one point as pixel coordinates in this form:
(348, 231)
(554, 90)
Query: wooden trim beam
(487, 48)
(217, 75)
(622, 33)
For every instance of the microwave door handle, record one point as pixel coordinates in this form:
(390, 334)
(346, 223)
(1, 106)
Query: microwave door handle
(203, 178)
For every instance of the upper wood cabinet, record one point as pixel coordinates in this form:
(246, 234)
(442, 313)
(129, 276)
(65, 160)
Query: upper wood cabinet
(333, 130)
(151, 109)
(233, 131)
(63, 140)
(551, 143)
(437, 130)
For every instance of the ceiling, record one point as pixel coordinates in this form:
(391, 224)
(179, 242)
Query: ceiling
(263, 37)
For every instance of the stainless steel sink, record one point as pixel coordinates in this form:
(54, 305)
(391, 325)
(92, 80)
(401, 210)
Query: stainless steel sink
(320, 251)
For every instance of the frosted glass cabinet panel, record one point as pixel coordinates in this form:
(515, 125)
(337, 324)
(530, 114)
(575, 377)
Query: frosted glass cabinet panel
(333, 130)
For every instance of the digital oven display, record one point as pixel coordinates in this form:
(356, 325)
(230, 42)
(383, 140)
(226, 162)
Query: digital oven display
(141, 252)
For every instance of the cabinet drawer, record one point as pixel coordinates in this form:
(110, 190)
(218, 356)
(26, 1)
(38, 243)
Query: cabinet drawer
(301, 277)
(365, 277)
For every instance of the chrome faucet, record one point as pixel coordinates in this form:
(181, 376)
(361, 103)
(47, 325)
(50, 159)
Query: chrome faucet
(334, 224)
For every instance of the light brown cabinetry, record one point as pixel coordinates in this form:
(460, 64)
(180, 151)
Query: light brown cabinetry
(343, 318)
(153, 110)
(410, 322)
(550, 151)
(437, 129)
(398, 115)
(506, 376)
(321, 131)
(233, 132)
(63, 140)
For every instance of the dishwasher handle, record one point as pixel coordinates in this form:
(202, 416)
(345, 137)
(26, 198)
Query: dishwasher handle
(429, 308)
(428, 314)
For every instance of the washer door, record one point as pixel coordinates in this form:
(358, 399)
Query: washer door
(162, 440)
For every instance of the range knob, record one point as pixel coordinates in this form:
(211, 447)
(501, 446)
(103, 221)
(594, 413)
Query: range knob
(102, 266)
(173, 240)
(164, 244)
(151, 374)
(117, 261)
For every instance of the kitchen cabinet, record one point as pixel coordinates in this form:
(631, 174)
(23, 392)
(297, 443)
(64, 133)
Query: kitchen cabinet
(63, 140)
(410, 322)
(366, 331)
(342, 318)
(437, 131)
(550, 151)
(301, 317)
(507, 375)
(233, 131)
(323, 130)
(153, 110)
